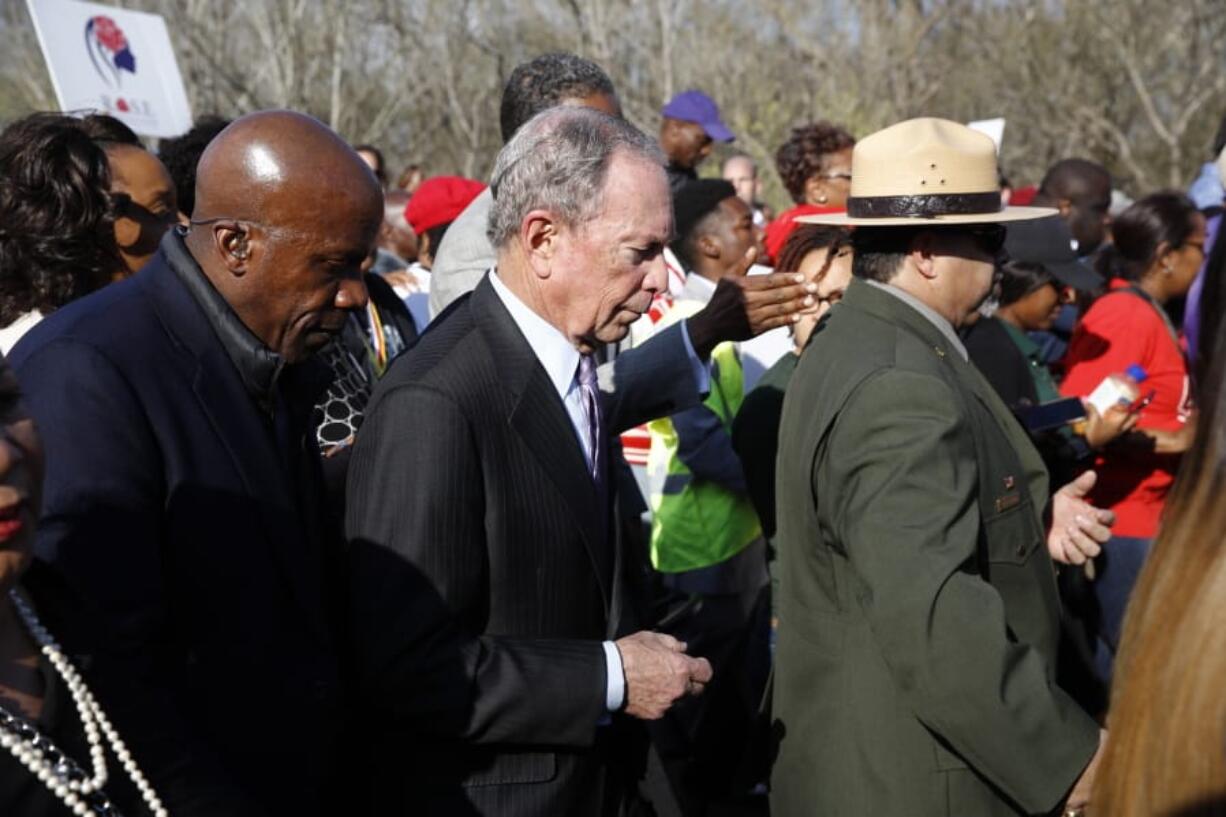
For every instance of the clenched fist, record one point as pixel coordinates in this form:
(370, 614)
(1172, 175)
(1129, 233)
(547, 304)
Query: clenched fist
(658, 672)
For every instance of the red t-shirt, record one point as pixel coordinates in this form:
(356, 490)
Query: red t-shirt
(1120, 329)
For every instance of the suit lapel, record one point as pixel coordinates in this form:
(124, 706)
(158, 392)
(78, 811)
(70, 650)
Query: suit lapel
(540, 419)
(243, 433)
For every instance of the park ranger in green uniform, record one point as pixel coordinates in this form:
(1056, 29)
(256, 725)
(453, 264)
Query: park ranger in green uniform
(918, 611)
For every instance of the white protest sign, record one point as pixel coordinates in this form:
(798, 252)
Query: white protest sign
(994, 128)
(115, 61)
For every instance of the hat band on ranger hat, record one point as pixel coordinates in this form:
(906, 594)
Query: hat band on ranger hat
(924, 205)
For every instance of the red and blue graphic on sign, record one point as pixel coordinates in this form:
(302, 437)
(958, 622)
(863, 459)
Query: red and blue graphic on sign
(108, 49)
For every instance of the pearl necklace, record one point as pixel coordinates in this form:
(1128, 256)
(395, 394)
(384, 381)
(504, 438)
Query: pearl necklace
(55, 769)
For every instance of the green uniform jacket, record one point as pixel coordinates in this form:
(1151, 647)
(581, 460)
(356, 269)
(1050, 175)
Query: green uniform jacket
(918, 611)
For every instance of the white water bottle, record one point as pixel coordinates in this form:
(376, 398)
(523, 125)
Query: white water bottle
(1118, 389)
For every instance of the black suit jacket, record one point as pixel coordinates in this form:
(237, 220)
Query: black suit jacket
(486, 570)
(188, 523)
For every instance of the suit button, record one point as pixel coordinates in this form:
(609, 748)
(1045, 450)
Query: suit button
(1021, 550)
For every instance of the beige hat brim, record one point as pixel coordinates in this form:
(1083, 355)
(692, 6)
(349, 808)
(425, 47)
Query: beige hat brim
(1007, 214)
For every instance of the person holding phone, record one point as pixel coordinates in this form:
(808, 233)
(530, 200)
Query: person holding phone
(1157, 249)
(1036, 275)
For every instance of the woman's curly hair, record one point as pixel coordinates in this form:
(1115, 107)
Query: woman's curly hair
(57, 237)
(809, 237)
(801, 156)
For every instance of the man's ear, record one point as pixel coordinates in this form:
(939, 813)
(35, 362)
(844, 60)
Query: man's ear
(234, 246)
(922, 254)
(1064, 206)
(539, 234)
(708, 246)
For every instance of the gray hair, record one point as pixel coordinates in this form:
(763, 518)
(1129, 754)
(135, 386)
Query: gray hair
(558, 162)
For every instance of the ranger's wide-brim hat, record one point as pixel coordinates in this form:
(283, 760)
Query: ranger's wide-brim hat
(925, 171)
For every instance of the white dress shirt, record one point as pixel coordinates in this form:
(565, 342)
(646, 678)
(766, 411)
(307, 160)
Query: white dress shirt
(557, 356)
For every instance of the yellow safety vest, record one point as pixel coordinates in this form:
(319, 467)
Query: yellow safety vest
(696, 523)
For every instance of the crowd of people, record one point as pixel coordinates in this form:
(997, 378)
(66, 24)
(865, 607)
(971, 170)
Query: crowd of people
(598, 487)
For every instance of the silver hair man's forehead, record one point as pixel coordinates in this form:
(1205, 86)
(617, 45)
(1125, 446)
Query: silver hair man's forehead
(558, 162)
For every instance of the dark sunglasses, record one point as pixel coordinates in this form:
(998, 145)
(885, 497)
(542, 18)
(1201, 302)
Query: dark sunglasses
(989, 237)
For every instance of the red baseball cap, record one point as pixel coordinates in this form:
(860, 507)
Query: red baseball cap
(439, 201)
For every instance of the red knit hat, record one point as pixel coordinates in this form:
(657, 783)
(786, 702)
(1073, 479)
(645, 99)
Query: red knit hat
(439, 201)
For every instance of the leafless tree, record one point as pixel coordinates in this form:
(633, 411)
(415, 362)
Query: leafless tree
(1136, 85)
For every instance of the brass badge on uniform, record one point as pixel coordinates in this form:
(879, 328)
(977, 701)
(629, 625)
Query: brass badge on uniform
(1008, 501)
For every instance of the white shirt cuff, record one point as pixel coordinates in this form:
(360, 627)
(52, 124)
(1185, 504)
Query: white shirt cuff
(702, 375)
(615, 693)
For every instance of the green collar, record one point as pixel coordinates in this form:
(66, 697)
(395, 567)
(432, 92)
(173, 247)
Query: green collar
(900, 308)
(1023, 342)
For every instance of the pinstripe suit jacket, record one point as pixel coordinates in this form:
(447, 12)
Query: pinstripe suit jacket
(486, 572)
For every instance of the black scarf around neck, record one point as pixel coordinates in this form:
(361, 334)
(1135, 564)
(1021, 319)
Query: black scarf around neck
(258, 366)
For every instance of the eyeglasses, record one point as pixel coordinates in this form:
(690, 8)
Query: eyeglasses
(846, 176)
(989, 237)
(836, 295)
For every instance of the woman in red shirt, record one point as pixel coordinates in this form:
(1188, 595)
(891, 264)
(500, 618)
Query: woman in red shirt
(1158, 247)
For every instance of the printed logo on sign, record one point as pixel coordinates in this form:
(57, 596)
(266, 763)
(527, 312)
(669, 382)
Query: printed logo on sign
(108, 49)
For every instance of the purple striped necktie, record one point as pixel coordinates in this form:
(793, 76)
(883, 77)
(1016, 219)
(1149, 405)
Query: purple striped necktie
(591, 407)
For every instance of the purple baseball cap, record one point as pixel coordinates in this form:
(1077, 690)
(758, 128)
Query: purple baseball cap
(695, 106)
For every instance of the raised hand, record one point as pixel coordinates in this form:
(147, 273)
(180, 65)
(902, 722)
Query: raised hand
(747, 305)
(1078, 529)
